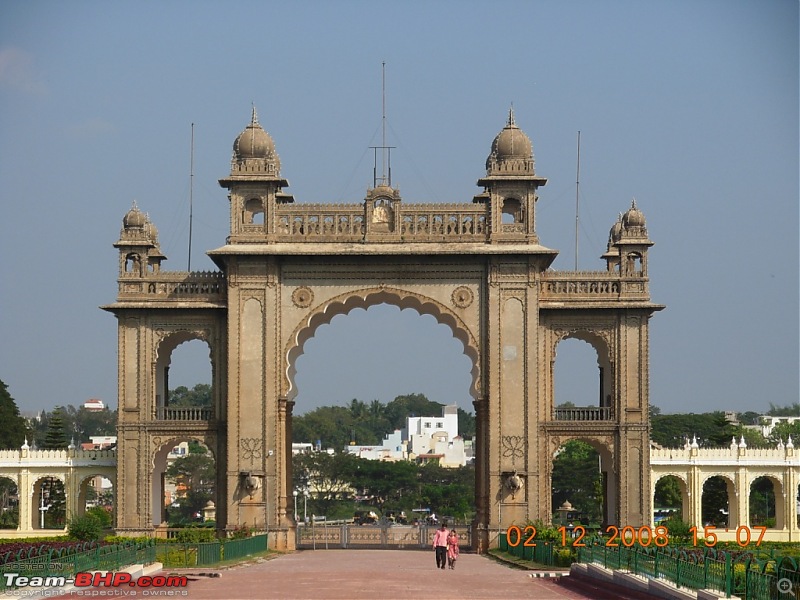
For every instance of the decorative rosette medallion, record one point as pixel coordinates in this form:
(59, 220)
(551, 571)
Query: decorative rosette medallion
(302, 297)
(462, 297)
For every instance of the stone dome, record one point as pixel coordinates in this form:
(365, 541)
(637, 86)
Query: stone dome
(512, 151)
(633, 217)
(151, 231)
(253, 142)
(134, 217)
(512, 142)
(616, 230)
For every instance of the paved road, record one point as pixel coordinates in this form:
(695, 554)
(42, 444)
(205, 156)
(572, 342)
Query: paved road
(373, 575)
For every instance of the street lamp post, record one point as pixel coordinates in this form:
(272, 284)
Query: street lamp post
(294, 493)
(305, 505)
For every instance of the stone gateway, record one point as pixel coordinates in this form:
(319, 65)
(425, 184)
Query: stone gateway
(286, 268)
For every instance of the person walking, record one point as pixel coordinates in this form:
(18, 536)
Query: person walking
(440, 545)
(452, 548)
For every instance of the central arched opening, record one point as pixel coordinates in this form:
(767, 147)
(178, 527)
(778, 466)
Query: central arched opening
(383, 382)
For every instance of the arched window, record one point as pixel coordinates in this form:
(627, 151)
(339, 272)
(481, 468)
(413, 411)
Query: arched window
(512, 211)
(253, 212)
(133, 263)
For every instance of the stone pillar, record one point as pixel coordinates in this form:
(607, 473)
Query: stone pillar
(25, 492)
(284, 477)
(695, 515)
(742, 490)
(481, 522)
(790, 495)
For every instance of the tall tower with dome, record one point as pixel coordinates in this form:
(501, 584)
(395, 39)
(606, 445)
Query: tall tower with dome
(286, 268)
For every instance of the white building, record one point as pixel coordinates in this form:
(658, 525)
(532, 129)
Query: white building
(94, 405)
(394, 447)
(424, 439)
(768, 423)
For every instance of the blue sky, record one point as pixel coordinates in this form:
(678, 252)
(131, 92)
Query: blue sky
(689, 106)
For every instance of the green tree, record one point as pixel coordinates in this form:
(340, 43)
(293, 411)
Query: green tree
(81, 424)
(55, 499)
(710, 429)
(196, 473)
(793, 410)
(576, 478)
(783, 430)
(668, 493)
(715, 502)
(9, 509)
(383, 484)
(325, 476)
(410, 405)
(762, 502)
(447, 491)
(199, 395)
(335, 427)
(13, 427)
(55, 437)
(752, 437)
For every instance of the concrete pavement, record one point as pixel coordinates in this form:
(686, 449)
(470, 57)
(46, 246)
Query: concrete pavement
(370, 574)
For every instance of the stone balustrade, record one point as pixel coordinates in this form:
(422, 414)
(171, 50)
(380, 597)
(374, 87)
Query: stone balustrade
(185, 413)
(591, 286)
(194, 287)
(349, 222)
(584, 413)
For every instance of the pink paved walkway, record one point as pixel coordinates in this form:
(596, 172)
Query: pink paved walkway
(373, 575)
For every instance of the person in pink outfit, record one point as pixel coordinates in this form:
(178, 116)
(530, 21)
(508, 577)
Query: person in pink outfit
(452, 548)
(440, 546)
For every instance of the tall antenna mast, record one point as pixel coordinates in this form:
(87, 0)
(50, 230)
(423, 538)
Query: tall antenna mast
(191, 189)
(386, 151)
(383, 118)
(577, 196)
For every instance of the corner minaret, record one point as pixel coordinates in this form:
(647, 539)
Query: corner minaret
(139, 253)
(633, 243)
(510, 186)
(255, 184)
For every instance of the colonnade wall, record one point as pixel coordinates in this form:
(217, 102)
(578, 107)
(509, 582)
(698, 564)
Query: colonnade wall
(739, 466)
(72, 467)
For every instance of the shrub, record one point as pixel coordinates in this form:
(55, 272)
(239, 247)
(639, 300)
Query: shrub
(195, 535)
(86, 527)
(102, 514)
(240, 533)
(565, 557)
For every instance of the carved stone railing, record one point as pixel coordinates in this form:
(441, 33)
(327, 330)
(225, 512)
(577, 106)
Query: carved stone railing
(319, 222)
(196, 286)
(454, 222)
(584, 413)
(185, 413)
(587, 286)
(349, 223)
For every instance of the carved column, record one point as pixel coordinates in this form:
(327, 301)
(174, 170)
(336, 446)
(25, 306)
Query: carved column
(285, 409)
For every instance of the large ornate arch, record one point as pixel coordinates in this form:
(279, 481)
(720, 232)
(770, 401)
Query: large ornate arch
(364, 298)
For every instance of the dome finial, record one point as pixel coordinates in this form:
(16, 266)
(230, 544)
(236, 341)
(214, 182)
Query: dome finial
(511, 116)
(254, 117)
